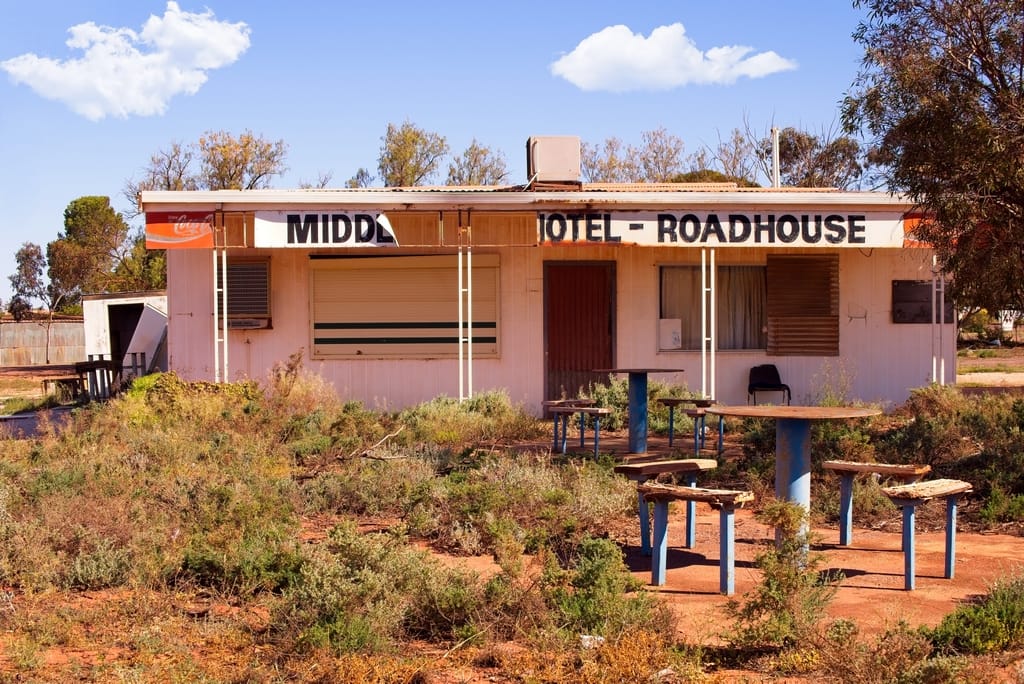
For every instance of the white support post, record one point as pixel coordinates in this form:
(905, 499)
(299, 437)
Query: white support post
(938, 321)
(224, 312)
(458, 267)
(708, 323)
(469, 316)
(216, 319)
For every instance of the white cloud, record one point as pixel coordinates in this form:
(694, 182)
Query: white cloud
(124, 73)
(618, 60)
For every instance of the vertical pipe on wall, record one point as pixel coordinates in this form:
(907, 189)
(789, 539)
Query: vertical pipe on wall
(703, 320)
(224, 310)
(216, 318)
(458, 333)
(469, 312)
(713, 305)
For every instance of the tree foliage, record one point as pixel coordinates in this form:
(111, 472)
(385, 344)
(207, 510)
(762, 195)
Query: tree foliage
(807, 160)
(362, 179)
(736, 157)
(656, 160)
(247, 162)
(478, 165)
(940, 93)
(410, 155)
(217, 161)
(27, 283)
(84, 257)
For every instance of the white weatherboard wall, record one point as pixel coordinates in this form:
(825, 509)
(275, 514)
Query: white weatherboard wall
(879, 361)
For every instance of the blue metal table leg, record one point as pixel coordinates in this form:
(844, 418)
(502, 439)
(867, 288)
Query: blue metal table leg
(554, 441)
(793, 462)
(721, 433)
(908, 546)
(638, 413)
(845, 509)
(671, 424)
(950, 535)
(659, 560)
(645, 524)
(691, 514)
(727, 551)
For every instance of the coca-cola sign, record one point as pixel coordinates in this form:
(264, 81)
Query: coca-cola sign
(179, 230)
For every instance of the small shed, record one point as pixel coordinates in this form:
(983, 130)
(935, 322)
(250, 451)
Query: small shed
(129, 327)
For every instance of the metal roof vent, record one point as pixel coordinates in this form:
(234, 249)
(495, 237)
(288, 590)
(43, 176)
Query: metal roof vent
(553, 159)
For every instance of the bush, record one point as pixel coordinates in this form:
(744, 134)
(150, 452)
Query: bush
(994, 623)
(597, 595)
(785, 608)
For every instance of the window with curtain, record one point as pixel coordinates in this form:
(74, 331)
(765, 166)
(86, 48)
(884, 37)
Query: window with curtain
(741, 310)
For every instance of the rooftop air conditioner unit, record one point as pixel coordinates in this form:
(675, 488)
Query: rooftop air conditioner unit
(553, 158)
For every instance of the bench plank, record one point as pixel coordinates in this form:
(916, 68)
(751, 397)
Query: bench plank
(666, 492)
(909, 497)
(899, 470)
(658, 467)
(642, 471)
(848, 470)
(929, 489)
(727, 500)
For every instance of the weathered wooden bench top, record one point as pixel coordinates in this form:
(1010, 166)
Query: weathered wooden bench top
(903, 470)
(674, 466)
(589, 410)
(664, 492)
(703, 402)
(929, 489)
(580, 401)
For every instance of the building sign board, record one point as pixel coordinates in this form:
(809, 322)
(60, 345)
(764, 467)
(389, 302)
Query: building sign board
(725, 229)
(322, 228)
(179, 230)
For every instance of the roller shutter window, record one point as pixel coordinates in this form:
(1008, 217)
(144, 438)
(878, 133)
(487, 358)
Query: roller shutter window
(803, 305)
(403, 306)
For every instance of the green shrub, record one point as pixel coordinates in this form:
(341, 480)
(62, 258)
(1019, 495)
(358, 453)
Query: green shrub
(99, 567)
(786, 606)
(597, 595)
(994, 623)
(488, 417)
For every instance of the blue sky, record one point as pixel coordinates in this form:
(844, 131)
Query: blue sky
(89, 89)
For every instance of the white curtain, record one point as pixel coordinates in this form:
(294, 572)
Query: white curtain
(742, 296)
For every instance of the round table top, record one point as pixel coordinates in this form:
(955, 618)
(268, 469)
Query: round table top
(797, 412)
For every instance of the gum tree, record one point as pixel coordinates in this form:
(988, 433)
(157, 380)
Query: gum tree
(940, 94)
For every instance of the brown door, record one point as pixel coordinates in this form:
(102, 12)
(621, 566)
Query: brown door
(579, 325)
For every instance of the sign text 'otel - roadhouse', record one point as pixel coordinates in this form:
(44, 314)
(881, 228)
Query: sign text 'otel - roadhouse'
(663, 228)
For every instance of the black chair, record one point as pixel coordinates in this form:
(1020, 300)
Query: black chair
(765, 378)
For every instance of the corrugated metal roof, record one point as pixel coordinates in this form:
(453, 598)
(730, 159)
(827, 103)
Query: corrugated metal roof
(508, 198)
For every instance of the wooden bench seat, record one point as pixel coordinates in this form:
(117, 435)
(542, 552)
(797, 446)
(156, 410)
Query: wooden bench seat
(562, 409)
(726, 500)
(642, 471)
(909, 497)
(65, 387)
(848, 470)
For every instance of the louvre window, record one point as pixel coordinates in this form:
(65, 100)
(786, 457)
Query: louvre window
(803, 305)
(248, 285)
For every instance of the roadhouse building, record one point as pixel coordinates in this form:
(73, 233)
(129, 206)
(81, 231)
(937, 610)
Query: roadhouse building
(400, 295)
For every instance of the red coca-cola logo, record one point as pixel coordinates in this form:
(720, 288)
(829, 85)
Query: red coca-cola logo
(190, 225)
